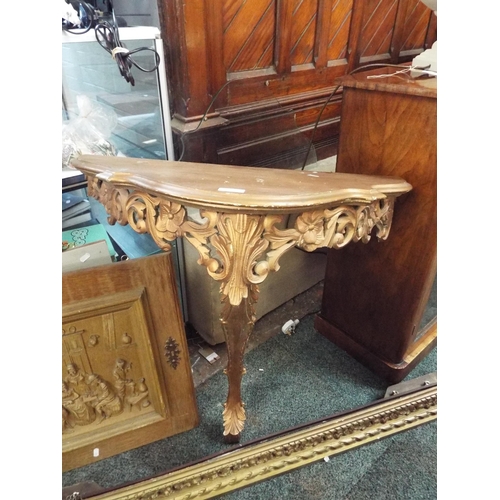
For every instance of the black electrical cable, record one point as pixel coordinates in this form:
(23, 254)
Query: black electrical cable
(202, 118)
(108, 36)
(361, 68)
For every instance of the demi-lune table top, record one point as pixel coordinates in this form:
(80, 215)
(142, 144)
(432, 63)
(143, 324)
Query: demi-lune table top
(229, 188)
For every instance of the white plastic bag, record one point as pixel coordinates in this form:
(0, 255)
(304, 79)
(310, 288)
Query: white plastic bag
(89, 132)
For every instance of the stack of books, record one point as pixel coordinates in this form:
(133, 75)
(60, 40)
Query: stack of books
(72, 179)
(75, 210)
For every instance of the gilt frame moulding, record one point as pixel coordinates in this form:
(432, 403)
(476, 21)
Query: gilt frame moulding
(242, 466)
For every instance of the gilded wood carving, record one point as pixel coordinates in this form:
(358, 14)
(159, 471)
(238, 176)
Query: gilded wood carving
(250, 464)
(237, 235)
(240, 240)
(239, 250)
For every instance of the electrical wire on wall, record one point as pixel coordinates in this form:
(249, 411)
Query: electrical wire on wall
(203, 118)
(108, 36)
(403, 70)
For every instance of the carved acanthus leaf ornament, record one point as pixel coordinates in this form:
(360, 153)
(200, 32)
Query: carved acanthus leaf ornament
(247, 247)
(239, 250)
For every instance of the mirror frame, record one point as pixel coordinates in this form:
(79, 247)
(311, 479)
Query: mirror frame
(283, 452)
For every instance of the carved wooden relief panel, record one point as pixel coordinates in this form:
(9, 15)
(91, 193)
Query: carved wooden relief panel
(126, 378)
(109, 380)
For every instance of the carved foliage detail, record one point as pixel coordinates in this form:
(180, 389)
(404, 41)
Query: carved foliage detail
(333, 228)
(164, 220)
(237, 238)
(234, 418)
(113, 199)
(247, 247)
(239, 243)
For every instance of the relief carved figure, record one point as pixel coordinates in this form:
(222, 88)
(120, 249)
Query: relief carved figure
(90, 399)
(130, 393)
(120, 376)
(76, 378)
(104, 399)
(78, 411)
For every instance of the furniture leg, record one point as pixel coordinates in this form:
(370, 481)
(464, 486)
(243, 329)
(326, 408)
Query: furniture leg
(237, 324)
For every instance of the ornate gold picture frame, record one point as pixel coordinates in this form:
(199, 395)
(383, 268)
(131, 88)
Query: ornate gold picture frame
(263, 459)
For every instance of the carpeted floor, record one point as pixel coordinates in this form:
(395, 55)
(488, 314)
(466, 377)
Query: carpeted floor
(292, 380)
(400, 467)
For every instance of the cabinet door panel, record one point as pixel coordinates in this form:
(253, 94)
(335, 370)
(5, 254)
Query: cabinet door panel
(125, 365)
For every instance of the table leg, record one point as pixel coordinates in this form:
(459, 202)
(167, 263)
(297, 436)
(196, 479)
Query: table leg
(237, 324)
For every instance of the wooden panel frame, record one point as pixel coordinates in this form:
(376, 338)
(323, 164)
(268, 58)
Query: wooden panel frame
(123, 328)
(89, 325)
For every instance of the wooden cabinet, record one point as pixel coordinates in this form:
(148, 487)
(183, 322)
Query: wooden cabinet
(249, 79)
(375, 295)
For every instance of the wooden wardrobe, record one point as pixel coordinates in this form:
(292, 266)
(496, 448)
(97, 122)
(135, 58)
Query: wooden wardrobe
(248, 80)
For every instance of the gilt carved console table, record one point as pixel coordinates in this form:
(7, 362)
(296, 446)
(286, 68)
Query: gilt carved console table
(238, 238)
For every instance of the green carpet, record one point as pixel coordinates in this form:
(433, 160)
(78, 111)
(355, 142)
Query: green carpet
(292, 380)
